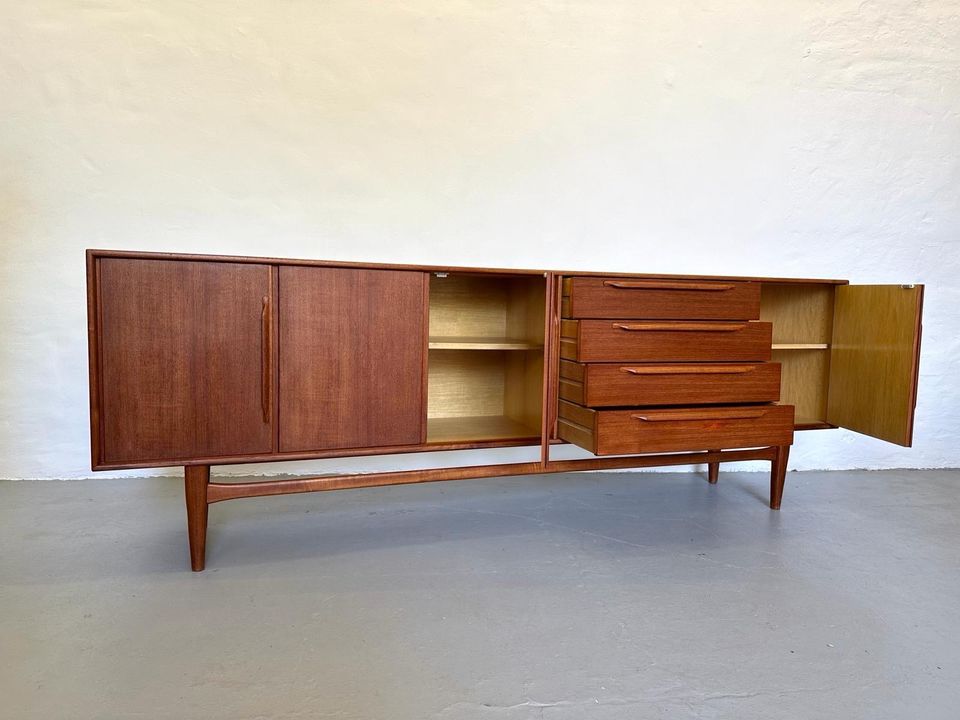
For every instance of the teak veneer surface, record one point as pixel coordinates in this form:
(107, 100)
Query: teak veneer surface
(443, 269)
(613, 384)
(201, 360)
(627, 298)
(625, 341)
(185, 350)
(351, 358)
(623, 432)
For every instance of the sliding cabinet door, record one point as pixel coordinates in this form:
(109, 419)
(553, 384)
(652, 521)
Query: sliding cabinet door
(184, 351)
(352, 351)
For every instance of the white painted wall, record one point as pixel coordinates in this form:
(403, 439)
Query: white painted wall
(801, 137)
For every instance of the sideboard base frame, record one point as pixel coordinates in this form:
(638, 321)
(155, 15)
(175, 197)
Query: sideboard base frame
(201, 493)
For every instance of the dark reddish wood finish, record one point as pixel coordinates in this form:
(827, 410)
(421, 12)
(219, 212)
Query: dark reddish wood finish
(198, 257)
(181, 359)
(778, 475)
(270, 345)
(628, 297)
(624, 341)
(196, 480)
(351, 358)
(625, 432)
(217, 492)
(713, 471)
(616, 384)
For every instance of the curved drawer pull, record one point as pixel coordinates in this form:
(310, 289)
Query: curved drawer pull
(648, 285)
(680, 327)
(667, 416)
(692, 370)
(266, 358)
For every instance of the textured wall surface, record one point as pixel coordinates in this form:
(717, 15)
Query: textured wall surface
(789, 138)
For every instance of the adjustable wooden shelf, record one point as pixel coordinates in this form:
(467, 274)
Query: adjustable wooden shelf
(200, 361)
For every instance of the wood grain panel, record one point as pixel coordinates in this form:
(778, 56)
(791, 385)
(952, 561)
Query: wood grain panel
(478, 308)
(874, 360)
(197, 257)
(351, 358)
(182, 353)
(626, 341)
(466, 383)
(481, 428)
(611, 385)
(805, 376)
(800, 313)
(624, 297)
(624, 432)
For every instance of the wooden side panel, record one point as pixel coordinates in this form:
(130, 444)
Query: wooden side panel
(184, 370)
(874, 360)
(351, 358)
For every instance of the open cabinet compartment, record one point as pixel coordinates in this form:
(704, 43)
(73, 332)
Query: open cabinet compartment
(802, 317)
(485, 358)
(849, 354)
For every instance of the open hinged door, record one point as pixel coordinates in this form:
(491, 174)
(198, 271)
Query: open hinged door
(874, 358)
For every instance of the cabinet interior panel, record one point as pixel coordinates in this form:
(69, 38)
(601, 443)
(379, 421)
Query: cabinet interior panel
(477, 429)
(483, 395)
(466, 383)
(482, 308)
(804, 379)
(874, 360)
(801, 313)
(524, 380)
(485, 371)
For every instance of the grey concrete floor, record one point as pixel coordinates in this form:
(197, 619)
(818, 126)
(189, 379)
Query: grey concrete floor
(568, 596)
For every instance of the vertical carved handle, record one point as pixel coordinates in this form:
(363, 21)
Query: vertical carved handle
(266, 347)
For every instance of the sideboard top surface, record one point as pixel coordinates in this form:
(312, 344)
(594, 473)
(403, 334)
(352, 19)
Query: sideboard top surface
(196, 257)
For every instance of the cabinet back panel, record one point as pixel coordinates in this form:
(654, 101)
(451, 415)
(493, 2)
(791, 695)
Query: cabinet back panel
(478, 306)
(466, 383)
(800, 312)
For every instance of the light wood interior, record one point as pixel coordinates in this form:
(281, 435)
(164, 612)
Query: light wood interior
(874, 359)
(485, 357)
(802, 317)
(804, 379)
(801, 313)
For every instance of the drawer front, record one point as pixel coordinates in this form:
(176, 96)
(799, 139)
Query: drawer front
(611, 297)
(635, 341)
(626, 432)
(611, 385)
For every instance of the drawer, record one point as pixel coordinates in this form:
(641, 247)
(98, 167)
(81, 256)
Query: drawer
(611, 385)
(612, 297)
(637, 341)
(626, 432)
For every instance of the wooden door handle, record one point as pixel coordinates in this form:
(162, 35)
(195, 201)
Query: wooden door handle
(649, 285)
(689, 369)
(680, 327)
(668, 416)
(266, 360)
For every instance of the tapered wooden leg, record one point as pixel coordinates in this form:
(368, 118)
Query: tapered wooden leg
(196, 479)
(713, 471)
(778, 474)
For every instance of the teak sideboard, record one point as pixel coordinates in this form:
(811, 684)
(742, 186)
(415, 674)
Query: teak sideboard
(201, 360)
